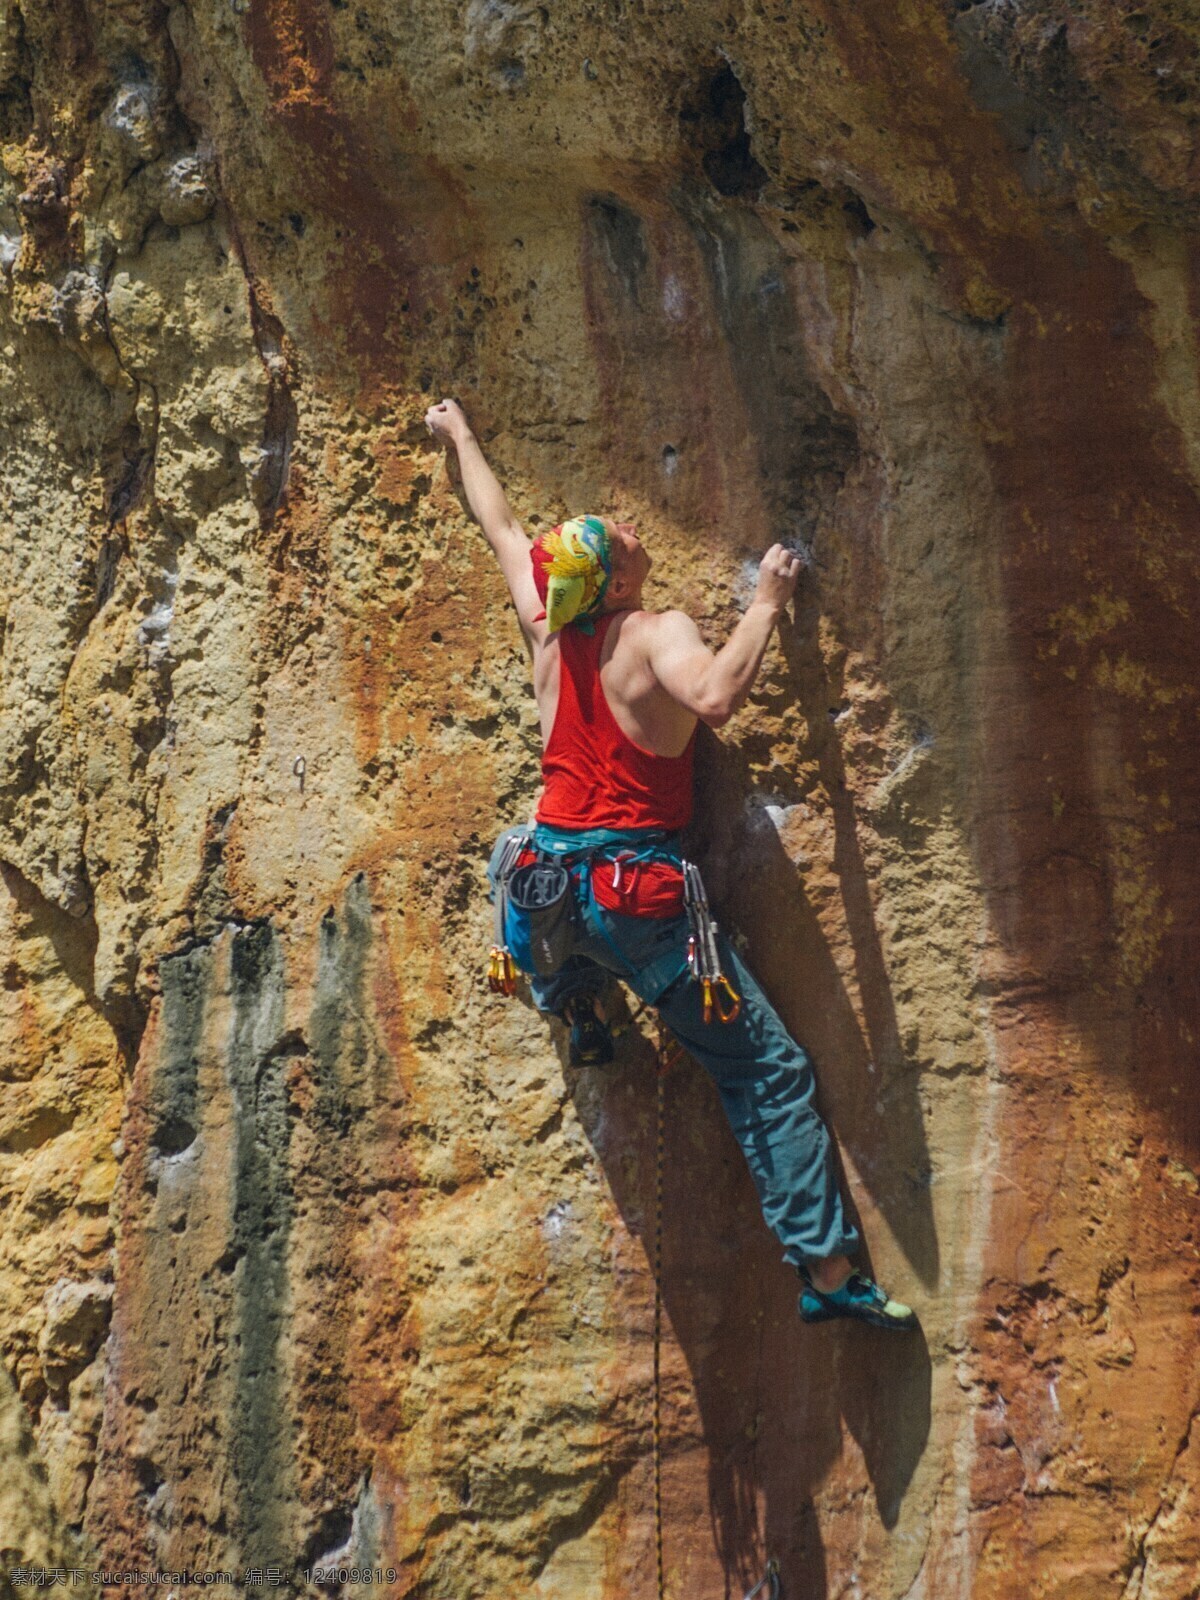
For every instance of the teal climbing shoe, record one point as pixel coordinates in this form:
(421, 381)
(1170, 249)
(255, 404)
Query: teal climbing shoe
(591, 1038)
(859, 1297)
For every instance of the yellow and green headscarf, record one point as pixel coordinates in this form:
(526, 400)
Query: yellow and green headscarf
(571, 568)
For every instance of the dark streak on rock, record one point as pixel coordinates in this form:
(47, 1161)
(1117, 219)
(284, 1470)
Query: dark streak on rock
(186, 979)
(269, 481)
(342, 1041)
(347, 1066)
(262, 1433)
(805, 447)
(621, 237)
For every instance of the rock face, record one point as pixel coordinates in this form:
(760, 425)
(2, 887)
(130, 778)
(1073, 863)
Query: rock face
(317, 1254)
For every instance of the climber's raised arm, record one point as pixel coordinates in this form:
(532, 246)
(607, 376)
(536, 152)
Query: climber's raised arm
(714, 686)
(490, 505)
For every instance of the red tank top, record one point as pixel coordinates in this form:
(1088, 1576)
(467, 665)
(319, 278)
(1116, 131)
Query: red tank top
(595, 776)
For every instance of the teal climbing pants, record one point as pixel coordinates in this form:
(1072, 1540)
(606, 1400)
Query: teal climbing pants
(764, 1078)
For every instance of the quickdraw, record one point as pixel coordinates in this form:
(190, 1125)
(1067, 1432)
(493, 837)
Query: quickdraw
(703, 957)
(502, 974)
(502, 969)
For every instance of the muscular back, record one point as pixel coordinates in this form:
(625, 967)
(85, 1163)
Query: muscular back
(657, 674)
(643, 709)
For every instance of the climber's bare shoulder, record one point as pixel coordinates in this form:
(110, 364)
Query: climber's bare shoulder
(669, 644)
(653, 654)
(638, 640)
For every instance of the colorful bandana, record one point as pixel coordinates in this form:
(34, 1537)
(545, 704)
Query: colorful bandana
(571, 568)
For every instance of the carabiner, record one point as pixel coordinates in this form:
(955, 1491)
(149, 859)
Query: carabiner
(735, 1008)
(770, 1582)
(502, 975)
(618, 880)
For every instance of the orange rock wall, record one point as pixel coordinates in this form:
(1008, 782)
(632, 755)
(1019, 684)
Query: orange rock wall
(314, 1251)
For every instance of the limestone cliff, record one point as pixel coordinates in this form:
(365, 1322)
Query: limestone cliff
(314, 1251)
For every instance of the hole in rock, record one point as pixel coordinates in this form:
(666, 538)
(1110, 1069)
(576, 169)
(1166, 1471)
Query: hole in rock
(330, 1536)
(148, 1474)
(173, 1135)
(715, 122)
(856, 210)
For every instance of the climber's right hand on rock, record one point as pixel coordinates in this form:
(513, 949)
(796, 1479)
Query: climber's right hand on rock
(777, 574)
(446, 421)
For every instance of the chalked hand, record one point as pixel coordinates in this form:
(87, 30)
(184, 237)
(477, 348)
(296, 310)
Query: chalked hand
(446, 421)
(777, 574)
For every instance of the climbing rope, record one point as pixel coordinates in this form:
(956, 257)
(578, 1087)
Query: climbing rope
(668, 1052)
(719, 999)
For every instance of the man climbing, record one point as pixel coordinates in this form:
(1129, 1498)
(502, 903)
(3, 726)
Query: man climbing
(619, 691)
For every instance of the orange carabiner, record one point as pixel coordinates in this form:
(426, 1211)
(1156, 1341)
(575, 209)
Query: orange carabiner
(706, 988)
(735, 1008)
(502, 975)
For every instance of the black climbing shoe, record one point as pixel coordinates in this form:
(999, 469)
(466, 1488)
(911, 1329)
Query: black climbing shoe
(859, 1297)
(591, 1037)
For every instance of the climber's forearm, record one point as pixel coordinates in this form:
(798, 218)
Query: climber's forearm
(488, 500)
(489, 503)
(733, 669)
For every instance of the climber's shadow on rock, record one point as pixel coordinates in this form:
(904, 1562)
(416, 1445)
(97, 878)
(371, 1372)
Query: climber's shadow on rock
(868, 1087)
(775, 1395)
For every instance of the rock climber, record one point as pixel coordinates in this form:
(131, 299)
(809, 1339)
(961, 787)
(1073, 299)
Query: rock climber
(620, 690)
